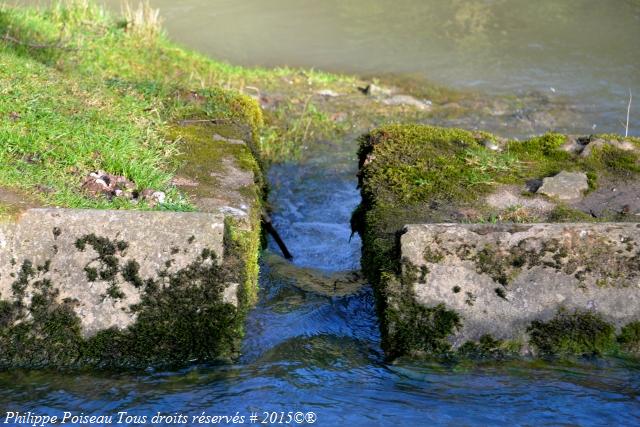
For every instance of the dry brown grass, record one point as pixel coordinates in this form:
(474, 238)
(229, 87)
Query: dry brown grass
(144, 20)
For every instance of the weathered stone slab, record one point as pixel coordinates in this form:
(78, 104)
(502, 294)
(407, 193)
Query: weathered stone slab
(220, 173)
(159, 242)
(490, 302)
(500, 278)
(114, 288)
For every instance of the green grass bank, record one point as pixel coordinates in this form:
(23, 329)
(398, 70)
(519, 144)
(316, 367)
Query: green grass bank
(83, 93)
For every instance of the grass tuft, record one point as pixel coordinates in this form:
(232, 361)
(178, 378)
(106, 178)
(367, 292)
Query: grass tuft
(144, 21)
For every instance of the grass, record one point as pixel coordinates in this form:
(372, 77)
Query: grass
(81, 91)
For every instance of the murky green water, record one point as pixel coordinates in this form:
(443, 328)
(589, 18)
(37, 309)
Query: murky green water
(586, 50)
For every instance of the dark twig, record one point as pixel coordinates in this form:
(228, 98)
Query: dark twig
(268, 226)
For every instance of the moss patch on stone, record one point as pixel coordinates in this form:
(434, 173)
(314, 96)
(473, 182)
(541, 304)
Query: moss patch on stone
(488, 347)
(411, 174)
(581, 333)
(182, 316)
(629, 338)
(409, 328)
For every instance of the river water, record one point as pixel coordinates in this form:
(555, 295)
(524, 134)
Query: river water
(584, 50)
(306, 352)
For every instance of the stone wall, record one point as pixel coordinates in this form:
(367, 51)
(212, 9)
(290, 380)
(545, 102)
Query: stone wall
(501, 278)
(119, 288)
(556, 273)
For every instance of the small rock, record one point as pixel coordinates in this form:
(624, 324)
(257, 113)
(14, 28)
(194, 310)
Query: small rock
(375, 90)
(152, 197)
(533, 185)
(490, 145)
(598, 142)
(407, 100)
(328, 93)
(218, 137)
(109, 185)
(565, 186)
(159, 196)
(574, 144)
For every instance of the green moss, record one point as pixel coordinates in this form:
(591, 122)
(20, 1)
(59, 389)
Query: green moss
(131, 273)
(114, 292)
(615, 161)
(107, 260)
(92, 273)
(200, 154)
(580, 333)
(629, 338)
(563, 213)
(487, 347)
(409, 328)
(488, 261)
(432, 256)
(413, 163)
(245, 244)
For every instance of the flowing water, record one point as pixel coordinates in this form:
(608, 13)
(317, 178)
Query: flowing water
(307, 352)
